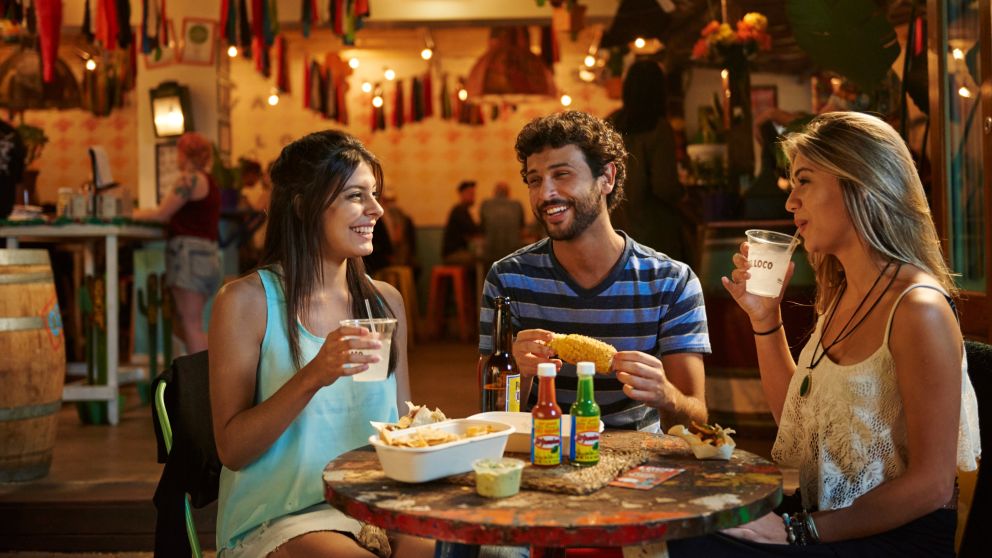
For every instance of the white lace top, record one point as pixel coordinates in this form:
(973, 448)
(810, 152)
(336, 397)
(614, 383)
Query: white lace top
(848, 434)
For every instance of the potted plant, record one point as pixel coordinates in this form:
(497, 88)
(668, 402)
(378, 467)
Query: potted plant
(34, 139)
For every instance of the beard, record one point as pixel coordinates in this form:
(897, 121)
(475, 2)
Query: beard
(586, 209)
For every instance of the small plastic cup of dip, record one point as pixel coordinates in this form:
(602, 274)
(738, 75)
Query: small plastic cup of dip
(497, 478)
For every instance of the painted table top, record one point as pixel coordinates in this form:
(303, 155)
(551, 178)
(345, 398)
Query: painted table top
(707, 496)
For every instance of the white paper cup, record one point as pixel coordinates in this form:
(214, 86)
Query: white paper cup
(769, 254)
(377, 371)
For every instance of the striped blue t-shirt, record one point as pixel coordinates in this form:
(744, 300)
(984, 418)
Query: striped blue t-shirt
(648, 302)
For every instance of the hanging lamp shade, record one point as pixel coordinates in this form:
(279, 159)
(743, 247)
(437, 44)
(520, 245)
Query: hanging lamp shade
(636, 18)
(508, 70)
(22, 87)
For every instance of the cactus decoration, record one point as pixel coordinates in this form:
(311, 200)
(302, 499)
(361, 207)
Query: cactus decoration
(86, 310)
(167, 312)
(150, 310)
(98, 330)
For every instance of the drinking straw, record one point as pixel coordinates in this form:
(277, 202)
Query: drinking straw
(368, 309)
(792, 245)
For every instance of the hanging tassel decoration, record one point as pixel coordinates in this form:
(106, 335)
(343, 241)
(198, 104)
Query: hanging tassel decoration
(306, 81)
(428, 99)
(282, 77)
(124, 34)
(416, 113)
(165, 37)
(244, 29)
(549, 47)
(87, 20)
(398, 116)
(49, 31)
(446, 109)
(150, 26)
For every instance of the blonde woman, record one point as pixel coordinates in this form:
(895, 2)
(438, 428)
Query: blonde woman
(879, 412)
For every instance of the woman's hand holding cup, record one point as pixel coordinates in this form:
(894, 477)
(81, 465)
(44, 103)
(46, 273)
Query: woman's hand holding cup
(340, 355)
(762, 310)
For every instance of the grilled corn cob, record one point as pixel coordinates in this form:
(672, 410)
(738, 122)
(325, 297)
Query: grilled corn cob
(574, 348)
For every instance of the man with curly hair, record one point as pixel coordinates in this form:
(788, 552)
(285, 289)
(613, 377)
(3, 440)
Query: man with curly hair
(591, 279)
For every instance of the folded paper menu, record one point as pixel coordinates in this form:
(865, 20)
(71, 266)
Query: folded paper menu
(645, 477)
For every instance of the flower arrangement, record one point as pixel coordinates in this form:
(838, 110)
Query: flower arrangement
(717, 38)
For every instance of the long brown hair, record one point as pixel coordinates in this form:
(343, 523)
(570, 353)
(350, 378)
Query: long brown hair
(882, 193)
(307, 177)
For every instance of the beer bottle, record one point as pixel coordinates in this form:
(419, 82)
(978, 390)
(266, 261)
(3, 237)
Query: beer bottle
(545, 432)
(500, 375)
(584, 413)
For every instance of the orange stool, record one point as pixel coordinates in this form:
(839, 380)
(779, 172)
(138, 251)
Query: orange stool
(437, 297)
(401, 277)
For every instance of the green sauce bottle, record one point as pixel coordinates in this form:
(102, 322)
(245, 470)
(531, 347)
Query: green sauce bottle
(585, 420)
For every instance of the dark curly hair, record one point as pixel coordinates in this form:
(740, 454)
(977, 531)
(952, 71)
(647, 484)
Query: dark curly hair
(599, 142)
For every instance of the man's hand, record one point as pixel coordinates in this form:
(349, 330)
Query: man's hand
(530, 348)
(644, 379)
(766, 529)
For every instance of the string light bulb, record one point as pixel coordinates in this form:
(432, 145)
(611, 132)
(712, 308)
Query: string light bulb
(957, 54)
(724, 74)
(274, 99)
(427, 54)
(91, 65)
(965, 92)
(586, 75)
(566, 100)
(639, 42)
(389, 74)
(462, 94)
(232, 51)
(366, 87)
(377, 101)
(354, 63)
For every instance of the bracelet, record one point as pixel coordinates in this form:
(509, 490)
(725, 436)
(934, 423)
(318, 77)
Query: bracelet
(813, 534)
(770, 331)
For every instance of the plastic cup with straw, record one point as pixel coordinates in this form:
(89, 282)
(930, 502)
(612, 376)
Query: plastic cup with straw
(769, 254)
(382, 329)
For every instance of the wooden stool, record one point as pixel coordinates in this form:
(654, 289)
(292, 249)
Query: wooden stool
(401, 277)
(458, 275)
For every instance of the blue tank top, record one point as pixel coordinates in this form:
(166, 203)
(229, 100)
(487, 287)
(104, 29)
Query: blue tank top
(287, 477)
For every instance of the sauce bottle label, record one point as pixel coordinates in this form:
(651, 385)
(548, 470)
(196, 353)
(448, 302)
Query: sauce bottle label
(513, 393)
(585, 439)
(546, 442)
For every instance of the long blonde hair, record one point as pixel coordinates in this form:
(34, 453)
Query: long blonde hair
(882, 193)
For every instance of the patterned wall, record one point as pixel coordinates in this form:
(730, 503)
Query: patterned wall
(65, 161)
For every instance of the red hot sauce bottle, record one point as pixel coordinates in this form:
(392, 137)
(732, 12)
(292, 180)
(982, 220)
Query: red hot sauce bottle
(545, 437)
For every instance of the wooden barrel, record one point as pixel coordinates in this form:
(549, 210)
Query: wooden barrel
(734, 396)
(32, 364)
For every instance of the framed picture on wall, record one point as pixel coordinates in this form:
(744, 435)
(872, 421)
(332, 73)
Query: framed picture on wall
(199, 41)
(763, 98)
(167, 172)
(166, 55)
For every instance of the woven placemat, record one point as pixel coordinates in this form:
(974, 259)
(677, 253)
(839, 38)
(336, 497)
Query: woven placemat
(568, 479)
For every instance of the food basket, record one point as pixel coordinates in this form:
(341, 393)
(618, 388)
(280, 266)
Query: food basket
(412, 464)
(519, 441)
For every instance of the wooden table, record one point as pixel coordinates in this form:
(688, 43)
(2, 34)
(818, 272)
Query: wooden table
(707, 496)
(88, 234)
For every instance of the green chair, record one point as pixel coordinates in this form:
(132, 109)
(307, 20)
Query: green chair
(163, 421)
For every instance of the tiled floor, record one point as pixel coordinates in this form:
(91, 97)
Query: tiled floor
(104, 464)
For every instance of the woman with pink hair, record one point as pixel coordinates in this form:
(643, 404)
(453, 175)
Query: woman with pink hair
(191, 210)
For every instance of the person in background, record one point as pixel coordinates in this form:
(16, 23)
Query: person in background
(651, 210)
(461, 229)
(579, 280)
(191, 210)
(12, 153)
(284, 403)
(255, 195)
(878, 412)
(402, 233)
(502, 220)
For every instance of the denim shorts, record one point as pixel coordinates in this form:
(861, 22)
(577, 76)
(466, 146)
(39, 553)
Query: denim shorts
(269, 536)
(193, 263)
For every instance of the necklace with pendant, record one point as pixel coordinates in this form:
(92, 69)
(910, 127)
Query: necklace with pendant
(841, 335)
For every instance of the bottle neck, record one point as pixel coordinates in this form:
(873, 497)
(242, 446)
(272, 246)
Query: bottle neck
(546, 391)
(585, 389)
(503, 332)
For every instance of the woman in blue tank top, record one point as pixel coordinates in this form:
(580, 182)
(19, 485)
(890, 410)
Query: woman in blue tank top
(281, 389)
